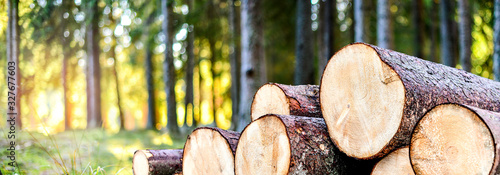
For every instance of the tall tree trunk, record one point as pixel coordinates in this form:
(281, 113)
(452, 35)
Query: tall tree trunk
(168, 67)
(419, 28)
(446, 48)
(496, 41)
(359, 33)
(234, 62)
(115, 73)
(67, 105)
(384, 32)
(13, 60)
(433, 26)
(250, 50)
(151, 123)
(327, 39)
(94, 119)
(464, 30)
(304, 68)
(213, 58)
(189, 99)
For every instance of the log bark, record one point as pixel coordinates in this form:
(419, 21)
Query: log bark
(456, 139)
(284, 144)
(149, 162)
(274, 98)
(372, 98)
(396, 163)
(210, 151)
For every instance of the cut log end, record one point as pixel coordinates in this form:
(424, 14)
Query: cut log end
(141, 164)
(396, 163)
(269, 99)
(267, 132)
(207, 152)
(452, 139)
(362, 100)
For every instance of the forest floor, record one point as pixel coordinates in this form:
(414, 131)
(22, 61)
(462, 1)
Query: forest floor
(81, 151)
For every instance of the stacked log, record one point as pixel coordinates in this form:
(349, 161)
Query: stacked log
(376, 111)
(371, 98)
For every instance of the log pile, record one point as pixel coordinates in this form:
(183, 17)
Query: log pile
(376, 111)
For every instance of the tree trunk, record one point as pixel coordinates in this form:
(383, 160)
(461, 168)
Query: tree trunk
(213, 58)
(384, 32)
(274, 98)
(189, 99)
(281, 144)
(250, 49)
(210, 151)
(94, 119)
(67, 105)
(433, 33)
(234, 61)
(13, 61)
(328, 22)
(115, 73)
(464, 30)
(168, 67)
(496, 41)
(396, 163)
(456, 139)
(304, 68)
(359, 33)
(419, 27)
(376, 96)
(148, 66)
(152, 162)
(446, 48)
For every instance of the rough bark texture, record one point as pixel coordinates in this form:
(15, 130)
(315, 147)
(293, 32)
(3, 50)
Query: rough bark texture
(234, 61)
(359, 34)
(496, 41)
(303, 99)
(446, 48)
(464, 30)
(13, 33)
(312, 151)
(164, 161)
(94, 118)
(168, 67)
(304, 68)
(428, 84)
(384, 33)
(250, 50)
(148, 66)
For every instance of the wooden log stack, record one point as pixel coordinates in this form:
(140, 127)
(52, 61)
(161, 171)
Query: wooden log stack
(376, 111)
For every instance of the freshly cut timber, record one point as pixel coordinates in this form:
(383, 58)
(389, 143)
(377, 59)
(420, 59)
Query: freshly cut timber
(395, 163)
(371, 98)
(166, 161)
(456, 139)
(283, 144)
(274, 98)
(210, 151)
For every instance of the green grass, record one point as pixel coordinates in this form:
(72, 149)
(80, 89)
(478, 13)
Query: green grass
(81, 151)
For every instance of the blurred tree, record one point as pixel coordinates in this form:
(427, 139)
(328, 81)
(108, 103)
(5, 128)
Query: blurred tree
(168, 67)
(114, 41)
(359, 22)
(464, 31)
(384, 32)
(13, 34)
(432, 28)
(250, 50)
(148, 66)
(190, 64)
(446, 48)
(304, 65)
(94, 119)
(496, 40)
(328, 12)
(234, 63)
(419, 28)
